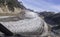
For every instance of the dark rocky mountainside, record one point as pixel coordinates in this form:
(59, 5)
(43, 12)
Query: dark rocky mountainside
(53, 19)
(56, 18)
(46, 14)
(51, 16)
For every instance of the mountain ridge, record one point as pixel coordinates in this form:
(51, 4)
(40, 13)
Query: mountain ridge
(10, 7)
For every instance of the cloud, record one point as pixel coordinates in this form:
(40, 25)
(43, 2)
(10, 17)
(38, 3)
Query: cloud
(41, 5)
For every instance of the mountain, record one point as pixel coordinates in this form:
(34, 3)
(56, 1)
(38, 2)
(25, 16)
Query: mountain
(56, 18)
(10, 7)
(46, 14)
(53, 20)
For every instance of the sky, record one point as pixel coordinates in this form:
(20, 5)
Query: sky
(42, 5)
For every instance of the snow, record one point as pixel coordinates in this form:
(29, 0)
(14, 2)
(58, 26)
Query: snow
(26, 25)
(34, 24)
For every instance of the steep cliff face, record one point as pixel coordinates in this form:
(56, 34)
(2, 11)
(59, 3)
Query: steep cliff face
(10, 7)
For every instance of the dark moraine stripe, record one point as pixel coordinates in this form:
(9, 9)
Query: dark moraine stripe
(5, 30)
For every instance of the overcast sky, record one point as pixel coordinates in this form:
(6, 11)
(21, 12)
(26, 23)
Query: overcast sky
(42, 5)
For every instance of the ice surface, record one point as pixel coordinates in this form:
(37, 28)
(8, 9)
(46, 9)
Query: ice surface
(34, 24)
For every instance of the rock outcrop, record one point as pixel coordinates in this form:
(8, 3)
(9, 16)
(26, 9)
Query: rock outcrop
(10, 7)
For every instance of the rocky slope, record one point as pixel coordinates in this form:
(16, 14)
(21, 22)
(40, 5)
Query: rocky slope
(10, 7)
